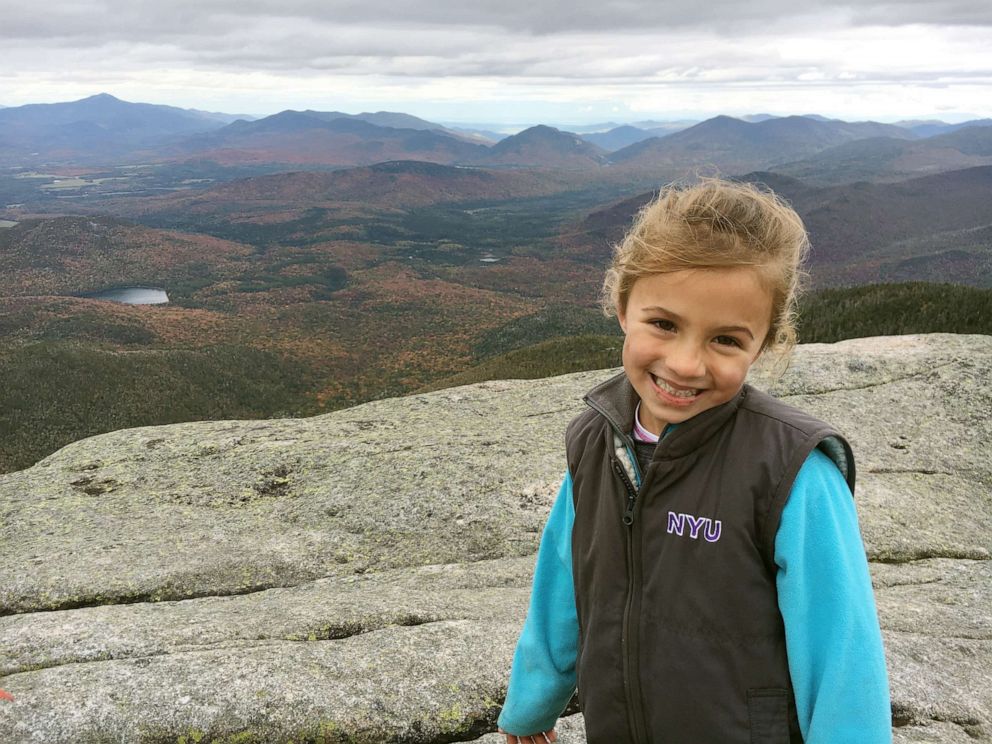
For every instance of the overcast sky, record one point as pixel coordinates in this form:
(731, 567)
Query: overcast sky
(511, 61)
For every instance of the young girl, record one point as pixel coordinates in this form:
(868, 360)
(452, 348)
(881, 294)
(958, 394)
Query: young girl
(701, 577)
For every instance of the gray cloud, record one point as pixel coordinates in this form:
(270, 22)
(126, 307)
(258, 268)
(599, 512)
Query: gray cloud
(615, 49)
(298, 47)
(946, 13)
(603, 40)
(148, 20)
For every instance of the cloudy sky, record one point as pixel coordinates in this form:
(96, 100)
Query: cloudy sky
(509, 61)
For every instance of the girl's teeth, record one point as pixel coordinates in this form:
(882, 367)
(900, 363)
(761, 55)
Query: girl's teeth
(672, 391)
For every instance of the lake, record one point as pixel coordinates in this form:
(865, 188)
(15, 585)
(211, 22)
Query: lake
(133, 295)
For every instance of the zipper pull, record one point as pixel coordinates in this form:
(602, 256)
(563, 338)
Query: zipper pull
(628, 515)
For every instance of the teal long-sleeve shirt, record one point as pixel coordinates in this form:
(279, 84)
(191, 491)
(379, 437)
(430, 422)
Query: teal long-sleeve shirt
(832, 635)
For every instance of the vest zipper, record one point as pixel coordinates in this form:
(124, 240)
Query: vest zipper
(628, 515)
(629, 640)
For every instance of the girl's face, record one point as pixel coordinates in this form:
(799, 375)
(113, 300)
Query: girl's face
(691, 337)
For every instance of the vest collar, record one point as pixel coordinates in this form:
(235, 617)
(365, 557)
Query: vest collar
(616, 400)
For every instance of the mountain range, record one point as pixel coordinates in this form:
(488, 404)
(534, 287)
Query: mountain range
(933, 127)
(937, 227)
(94, 128)
(293, 137)
(737, 146)
(103, 130)
(317, 259)
(889, 158)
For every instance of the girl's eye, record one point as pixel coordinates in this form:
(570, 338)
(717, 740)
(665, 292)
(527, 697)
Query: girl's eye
(727, 341)
(665, 325)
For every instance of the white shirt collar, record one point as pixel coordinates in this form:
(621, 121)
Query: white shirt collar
(640, 433)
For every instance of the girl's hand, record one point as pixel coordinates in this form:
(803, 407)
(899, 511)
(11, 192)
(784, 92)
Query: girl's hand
(541, 738)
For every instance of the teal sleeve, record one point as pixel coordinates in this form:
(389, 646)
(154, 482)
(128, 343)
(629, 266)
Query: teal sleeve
(832, 634)
(542, 678)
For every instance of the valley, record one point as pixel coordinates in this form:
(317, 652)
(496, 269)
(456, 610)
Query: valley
(298, 285)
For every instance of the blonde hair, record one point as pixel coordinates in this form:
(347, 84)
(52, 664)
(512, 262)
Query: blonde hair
(717, 224)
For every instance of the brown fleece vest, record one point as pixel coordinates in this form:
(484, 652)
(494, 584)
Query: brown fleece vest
(680, 637)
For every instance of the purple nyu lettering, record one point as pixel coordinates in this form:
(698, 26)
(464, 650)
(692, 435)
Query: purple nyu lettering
(694, 524)
(711, 528)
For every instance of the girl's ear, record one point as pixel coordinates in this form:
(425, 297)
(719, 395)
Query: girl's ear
(622, 317)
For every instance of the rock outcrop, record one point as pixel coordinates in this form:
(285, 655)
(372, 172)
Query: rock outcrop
(362, 576)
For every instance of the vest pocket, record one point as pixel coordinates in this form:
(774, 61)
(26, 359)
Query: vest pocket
(768, 714)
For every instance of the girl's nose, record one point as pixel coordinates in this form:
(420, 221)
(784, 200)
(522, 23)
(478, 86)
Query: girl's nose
(685, 361)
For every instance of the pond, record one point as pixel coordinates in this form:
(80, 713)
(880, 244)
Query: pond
(133, 295)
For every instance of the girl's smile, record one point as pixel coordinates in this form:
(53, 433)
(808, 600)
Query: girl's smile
(691, 337)
(677, 395)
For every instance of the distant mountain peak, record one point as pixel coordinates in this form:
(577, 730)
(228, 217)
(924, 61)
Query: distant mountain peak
(98, 129)
(544, 145)
(542, 129)
(545, 134)
(101, 98)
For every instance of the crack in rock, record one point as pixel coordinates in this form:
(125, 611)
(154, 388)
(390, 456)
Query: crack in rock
(942, 635)
(921, 582)
(964, 554)
(549, 413)
(156, 597)
(903, 715)
(918, 471)
(331, 633)
(869, 386)
(341, 631)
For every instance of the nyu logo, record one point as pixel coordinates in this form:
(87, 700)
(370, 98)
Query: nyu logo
(710, 528)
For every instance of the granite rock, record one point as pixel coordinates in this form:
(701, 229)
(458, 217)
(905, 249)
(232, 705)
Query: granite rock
(362, 576)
